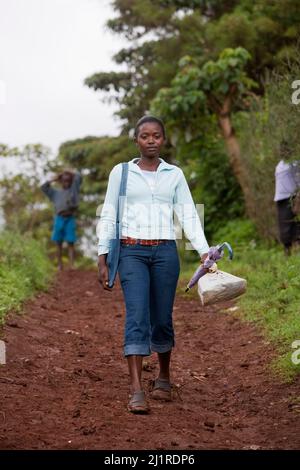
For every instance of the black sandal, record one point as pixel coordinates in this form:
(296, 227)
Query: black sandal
(161, 390)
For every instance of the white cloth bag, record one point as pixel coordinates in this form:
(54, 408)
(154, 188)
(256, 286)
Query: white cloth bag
(220, 286)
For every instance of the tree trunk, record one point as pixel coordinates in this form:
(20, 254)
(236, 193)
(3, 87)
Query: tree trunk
(234, 153)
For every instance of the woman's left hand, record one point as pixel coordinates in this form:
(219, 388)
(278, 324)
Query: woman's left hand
(213, 268)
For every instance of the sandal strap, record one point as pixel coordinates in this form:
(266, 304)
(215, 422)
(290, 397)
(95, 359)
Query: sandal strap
(138, 398)
(162, 384)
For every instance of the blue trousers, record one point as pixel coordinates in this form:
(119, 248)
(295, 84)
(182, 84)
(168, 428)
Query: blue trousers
(149, 276)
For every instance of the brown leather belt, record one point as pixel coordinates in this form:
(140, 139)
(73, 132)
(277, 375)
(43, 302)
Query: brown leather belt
(134, 241)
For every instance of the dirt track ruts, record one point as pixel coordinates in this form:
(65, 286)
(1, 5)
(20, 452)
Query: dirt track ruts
(65, 384)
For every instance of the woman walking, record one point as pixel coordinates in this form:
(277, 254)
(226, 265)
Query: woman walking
(149, 262)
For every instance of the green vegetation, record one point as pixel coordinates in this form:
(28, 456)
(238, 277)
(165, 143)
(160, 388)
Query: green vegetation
(219, 73)
(24, 269)
(225, 97)
(25, 208)
(224, 119)
(272, 300)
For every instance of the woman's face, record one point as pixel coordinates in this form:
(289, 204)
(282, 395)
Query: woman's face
(150, 139)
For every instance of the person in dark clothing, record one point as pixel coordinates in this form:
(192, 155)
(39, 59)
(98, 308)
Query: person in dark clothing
(65, 201)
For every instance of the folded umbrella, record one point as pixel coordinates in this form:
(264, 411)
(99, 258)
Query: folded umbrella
(215, 253)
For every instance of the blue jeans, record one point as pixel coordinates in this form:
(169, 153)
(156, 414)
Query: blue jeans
(149, 276)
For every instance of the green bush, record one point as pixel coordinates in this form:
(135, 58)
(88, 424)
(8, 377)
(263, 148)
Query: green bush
(272, 299)
(269, 121)
(239, 233)
(24, 269)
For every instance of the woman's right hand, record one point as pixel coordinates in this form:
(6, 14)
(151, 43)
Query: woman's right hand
(103, 272)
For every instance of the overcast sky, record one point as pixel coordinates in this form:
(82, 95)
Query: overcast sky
(47, 49)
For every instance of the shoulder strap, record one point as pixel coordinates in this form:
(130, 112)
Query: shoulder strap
(123, 183)
(122, 190)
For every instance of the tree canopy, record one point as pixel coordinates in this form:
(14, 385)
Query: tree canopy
(161, 32)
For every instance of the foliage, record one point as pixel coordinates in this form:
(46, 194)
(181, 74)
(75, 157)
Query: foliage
(160, 29)
(218, 51)
(190, 107)
(272, 298)
(95, 157)
(24, 207)
(24, 269)
(196, 91)
(211, 180)
(270, 120)
(240, 233)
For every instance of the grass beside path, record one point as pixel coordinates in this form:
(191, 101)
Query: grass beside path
(272, 300)
(24, 269)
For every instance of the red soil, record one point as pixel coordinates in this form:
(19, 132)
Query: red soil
(65, 385)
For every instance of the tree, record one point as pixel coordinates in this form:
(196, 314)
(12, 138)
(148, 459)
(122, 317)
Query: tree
(147, 61)
(218, 87)
(179, 45)
(267, 29)
(269, 121)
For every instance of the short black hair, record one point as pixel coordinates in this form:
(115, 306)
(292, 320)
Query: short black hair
(149, 118)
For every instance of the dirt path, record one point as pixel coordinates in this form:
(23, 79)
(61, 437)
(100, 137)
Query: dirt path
(65, 384)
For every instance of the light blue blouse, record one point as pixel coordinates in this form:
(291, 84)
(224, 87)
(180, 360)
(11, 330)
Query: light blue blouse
(148, 213)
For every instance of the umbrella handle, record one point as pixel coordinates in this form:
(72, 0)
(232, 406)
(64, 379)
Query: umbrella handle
(212, 257)
(229, 248)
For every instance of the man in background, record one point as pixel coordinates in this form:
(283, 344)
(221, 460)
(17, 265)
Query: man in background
(287, 181)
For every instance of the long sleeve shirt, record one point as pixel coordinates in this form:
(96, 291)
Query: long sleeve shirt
(64, 199)
(287, 179)
(148, 209)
